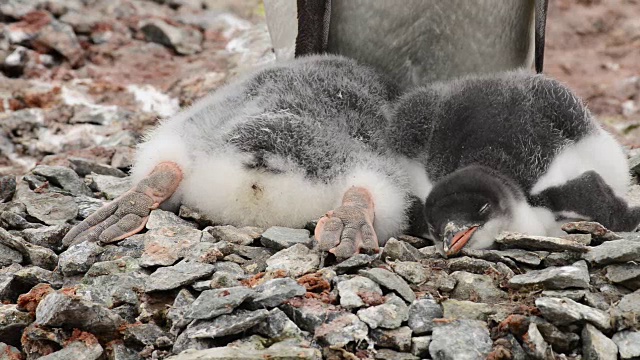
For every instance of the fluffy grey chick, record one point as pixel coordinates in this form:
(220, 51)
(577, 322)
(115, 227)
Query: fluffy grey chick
(509, 152)
(280, 146)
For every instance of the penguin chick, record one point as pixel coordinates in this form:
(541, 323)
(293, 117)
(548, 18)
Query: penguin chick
(281, 146)
(509, 152)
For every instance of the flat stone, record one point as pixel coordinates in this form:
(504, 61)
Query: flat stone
(84, 167)
(188, 213)
(234, 235)
(183, 273)
(389, 315)
(421, 315)
(79, 258)
(413, 272)
(87, 206)
(560, 341)
(561, 259)
(145, 334)
(9, 256)
(176, 315)
(596, 346)
(476, 287)
(528, 242)
(573, 294)
(230, 353)
(51, 208)
(580, 238)
(166, 245)
(309, 314)
(113, 290)
(63, 177)
(160, 218)
(479, 266)
(353, 263)
(615, 251)
(278, 326)
(279, 238)
(33, 275)
(118, 351)
(625, 274)
(573, 276)
(489, 255)
(563, 311)
(460, 340)
(430, 252)
(628, 343)
(123, 265)
(589, 227)
(274, 292)
(420, 346)
(79, 349)
(351, 289)
(535, 346)
(132, 246)
(7, 188)
(400, 250)
(341, 330)
(109, 186)
(12, 323)
(47, 236)
(224, 325)
(185, 41)
(397, 339)
(467, 310)
(213, 303)
(390, 281)
(388, 354)
(60, 309)
(296, 260)
(630, 303)
(218, 280)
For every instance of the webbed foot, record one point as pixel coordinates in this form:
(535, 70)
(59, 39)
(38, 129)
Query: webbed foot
(348, 230)
(128, 214)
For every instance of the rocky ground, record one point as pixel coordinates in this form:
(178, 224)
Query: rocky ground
(82, 80)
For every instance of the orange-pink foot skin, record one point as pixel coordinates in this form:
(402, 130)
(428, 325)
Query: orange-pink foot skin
(128, 214)
(348, 229)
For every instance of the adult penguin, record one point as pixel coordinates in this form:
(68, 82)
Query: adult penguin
(415, 41)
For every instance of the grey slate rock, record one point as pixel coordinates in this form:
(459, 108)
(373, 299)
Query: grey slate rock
(213, 303)
(77, 259)
(466, 310)
(231, 353)
(274, 292)
(596, 346)
(278, 326)
(421, 315)
(176, 314)
(476, 287)
(87, 206)
(390, 281)
(296, 260)
(535, 346)
(123, 265)
(628, 343)
(84, 167)
(33, 275)
(420, 346)
(165, 245)
(224, 325)
(184, 40)
(12, 323)
(113, 290)
(118, 351)
(8, 352)
(388, 354)
(625, 274)
(234, 235)
(528, 242)
(109, 186)
(51, 208)
(60, 309)
(77, 350)
(573, 294)
(342, 329)
(413, 272)
(351, 289)
(561, 258)
(183, 273)
(595, 229)
(573, 276)
(353, 263)
(460, 340)
(560, 341)
(615, 251)
(63, 177)
(563, 311)
(279, 238)
(479, 266)
(397, 339)
(145, 334)
(309, 314)
(630, 303)
(48, 236)
(7, 188)
(9, 256)
(389, 315)
(396, 249)
(160, 218)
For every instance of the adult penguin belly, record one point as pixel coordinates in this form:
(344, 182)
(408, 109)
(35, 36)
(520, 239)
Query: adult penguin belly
(417, 41)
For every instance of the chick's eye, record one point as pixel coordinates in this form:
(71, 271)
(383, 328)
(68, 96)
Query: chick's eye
(483, 209)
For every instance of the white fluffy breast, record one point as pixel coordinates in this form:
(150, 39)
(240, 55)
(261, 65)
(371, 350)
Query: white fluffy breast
(599, 152)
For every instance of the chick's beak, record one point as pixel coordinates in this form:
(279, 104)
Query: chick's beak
(456, 237)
